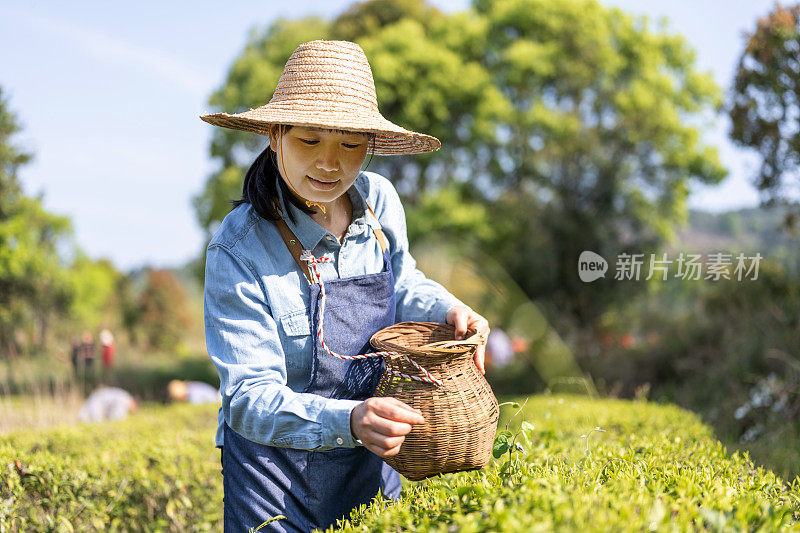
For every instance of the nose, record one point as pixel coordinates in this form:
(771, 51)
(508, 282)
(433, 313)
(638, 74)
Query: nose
(328, 159)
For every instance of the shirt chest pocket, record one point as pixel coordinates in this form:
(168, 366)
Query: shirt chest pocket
(295, 332)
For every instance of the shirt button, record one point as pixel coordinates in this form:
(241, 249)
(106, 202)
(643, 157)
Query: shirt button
(330, 238)
(339, 440)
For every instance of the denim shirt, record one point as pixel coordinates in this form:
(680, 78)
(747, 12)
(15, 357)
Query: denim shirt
(257, 320)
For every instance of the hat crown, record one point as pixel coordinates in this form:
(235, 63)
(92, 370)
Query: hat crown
(333, 74)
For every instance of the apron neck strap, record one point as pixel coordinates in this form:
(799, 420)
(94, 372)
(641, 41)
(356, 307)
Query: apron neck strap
(378, 232)
(296, 249)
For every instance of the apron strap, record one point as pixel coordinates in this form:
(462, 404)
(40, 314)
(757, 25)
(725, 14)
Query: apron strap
(378, 232)
(296, 249)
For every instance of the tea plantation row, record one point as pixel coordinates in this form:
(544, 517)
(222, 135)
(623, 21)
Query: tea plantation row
(568, 463)
(576, 464)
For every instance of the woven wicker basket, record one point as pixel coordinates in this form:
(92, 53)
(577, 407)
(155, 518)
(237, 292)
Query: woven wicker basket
(460, 415)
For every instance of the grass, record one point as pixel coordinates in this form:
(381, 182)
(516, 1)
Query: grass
(40, 411)
(42, 391)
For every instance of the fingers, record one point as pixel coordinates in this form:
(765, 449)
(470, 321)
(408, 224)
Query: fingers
(461, 326)
(383, 441)
(393, 409)
(381, 451)
(457, 317)
(480, 356)
(384, 426)
(381, 423)
(481, 325)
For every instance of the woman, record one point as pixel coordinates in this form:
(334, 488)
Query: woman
(300, 434)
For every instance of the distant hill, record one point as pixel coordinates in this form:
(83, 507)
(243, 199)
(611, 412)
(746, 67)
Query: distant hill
(748, 230)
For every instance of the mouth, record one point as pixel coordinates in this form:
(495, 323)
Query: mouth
(322, 185)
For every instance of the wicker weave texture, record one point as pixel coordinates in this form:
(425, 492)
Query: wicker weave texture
(460, 415)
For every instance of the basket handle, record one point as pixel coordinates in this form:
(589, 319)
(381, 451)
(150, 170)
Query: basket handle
(475, 340)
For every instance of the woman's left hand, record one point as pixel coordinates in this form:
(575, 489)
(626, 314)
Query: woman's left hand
(463, 318)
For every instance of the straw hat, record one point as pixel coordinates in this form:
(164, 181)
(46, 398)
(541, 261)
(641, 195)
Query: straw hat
(328, 84)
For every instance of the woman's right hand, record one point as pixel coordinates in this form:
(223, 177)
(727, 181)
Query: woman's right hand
(382, 424)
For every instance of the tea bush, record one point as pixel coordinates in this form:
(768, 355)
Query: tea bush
(571, 463)
(565, 463)
(156, 471)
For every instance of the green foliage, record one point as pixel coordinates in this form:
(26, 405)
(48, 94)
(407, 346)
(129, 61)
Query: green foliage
(572, 463)
(144, 374)
(595, 465)
(765, 104)
(573, 124)
(157, 471)
(42, 291)
(599, 146)
(453, 212)
(94, 288)
(425, 85)
(726, 349)
(147, 377)
(33, 283)
(164, 314)
(365, 18)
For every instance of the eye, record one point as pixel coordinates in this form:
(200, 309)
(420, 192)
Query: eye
(310, 141)
(349, 145)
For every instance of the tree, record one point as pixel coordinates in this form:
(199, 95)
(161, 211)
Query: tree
(33, 281)
(164, 316)
(600, 142)
(765, 105)
(577, 119)
(96, 299)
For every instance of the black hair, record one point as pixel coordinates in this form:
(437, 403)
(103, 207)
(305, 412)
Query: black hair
(263, 179)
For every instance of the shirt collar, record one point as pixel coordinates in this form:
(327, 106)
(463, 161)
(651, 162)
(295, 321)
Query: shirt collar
(309, 232)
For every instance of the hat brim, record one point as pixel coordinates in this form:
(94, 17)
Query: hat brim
(390, 139)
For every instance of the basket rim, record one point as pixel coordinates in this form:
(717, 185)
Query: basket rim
(444, 348)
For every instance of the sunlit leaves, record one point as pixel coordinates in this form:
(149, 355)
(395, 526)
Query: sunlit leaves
(645, 467)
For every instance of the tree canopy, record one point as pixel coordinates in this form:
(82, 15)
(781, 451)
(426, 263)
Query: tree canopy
(33, 281)
(765, 104)
(45, 279)
(581, 120)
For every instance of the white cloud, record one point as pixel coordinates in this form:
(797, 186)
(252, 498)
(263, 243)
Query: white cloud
(114, 50)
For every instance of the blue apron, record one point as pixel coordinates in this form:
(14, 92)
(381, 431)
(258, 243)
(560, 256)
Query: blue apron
(313, 489)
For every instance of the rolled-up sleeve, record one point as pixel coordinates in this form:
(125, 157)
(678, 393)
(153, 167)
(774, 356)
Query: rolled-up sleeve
(419, 299)
(244, 345)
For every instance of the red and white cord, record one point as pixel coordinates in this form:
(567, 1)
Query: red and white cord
(313, 261)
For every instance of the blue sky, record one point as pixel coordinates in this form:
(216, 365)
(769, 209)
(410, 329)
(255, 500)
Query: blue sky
(109, 94)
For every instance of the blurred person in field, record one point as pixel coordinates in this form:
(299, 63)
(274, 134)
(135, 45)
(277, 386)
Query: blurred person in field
(519, 344)
(193, 392)
(107, 403)
(74, 355)
(86, 351)
(500, 349)
(107, 341)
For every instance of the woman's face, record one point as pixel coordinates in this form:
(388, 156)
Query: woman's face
(319, 164)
